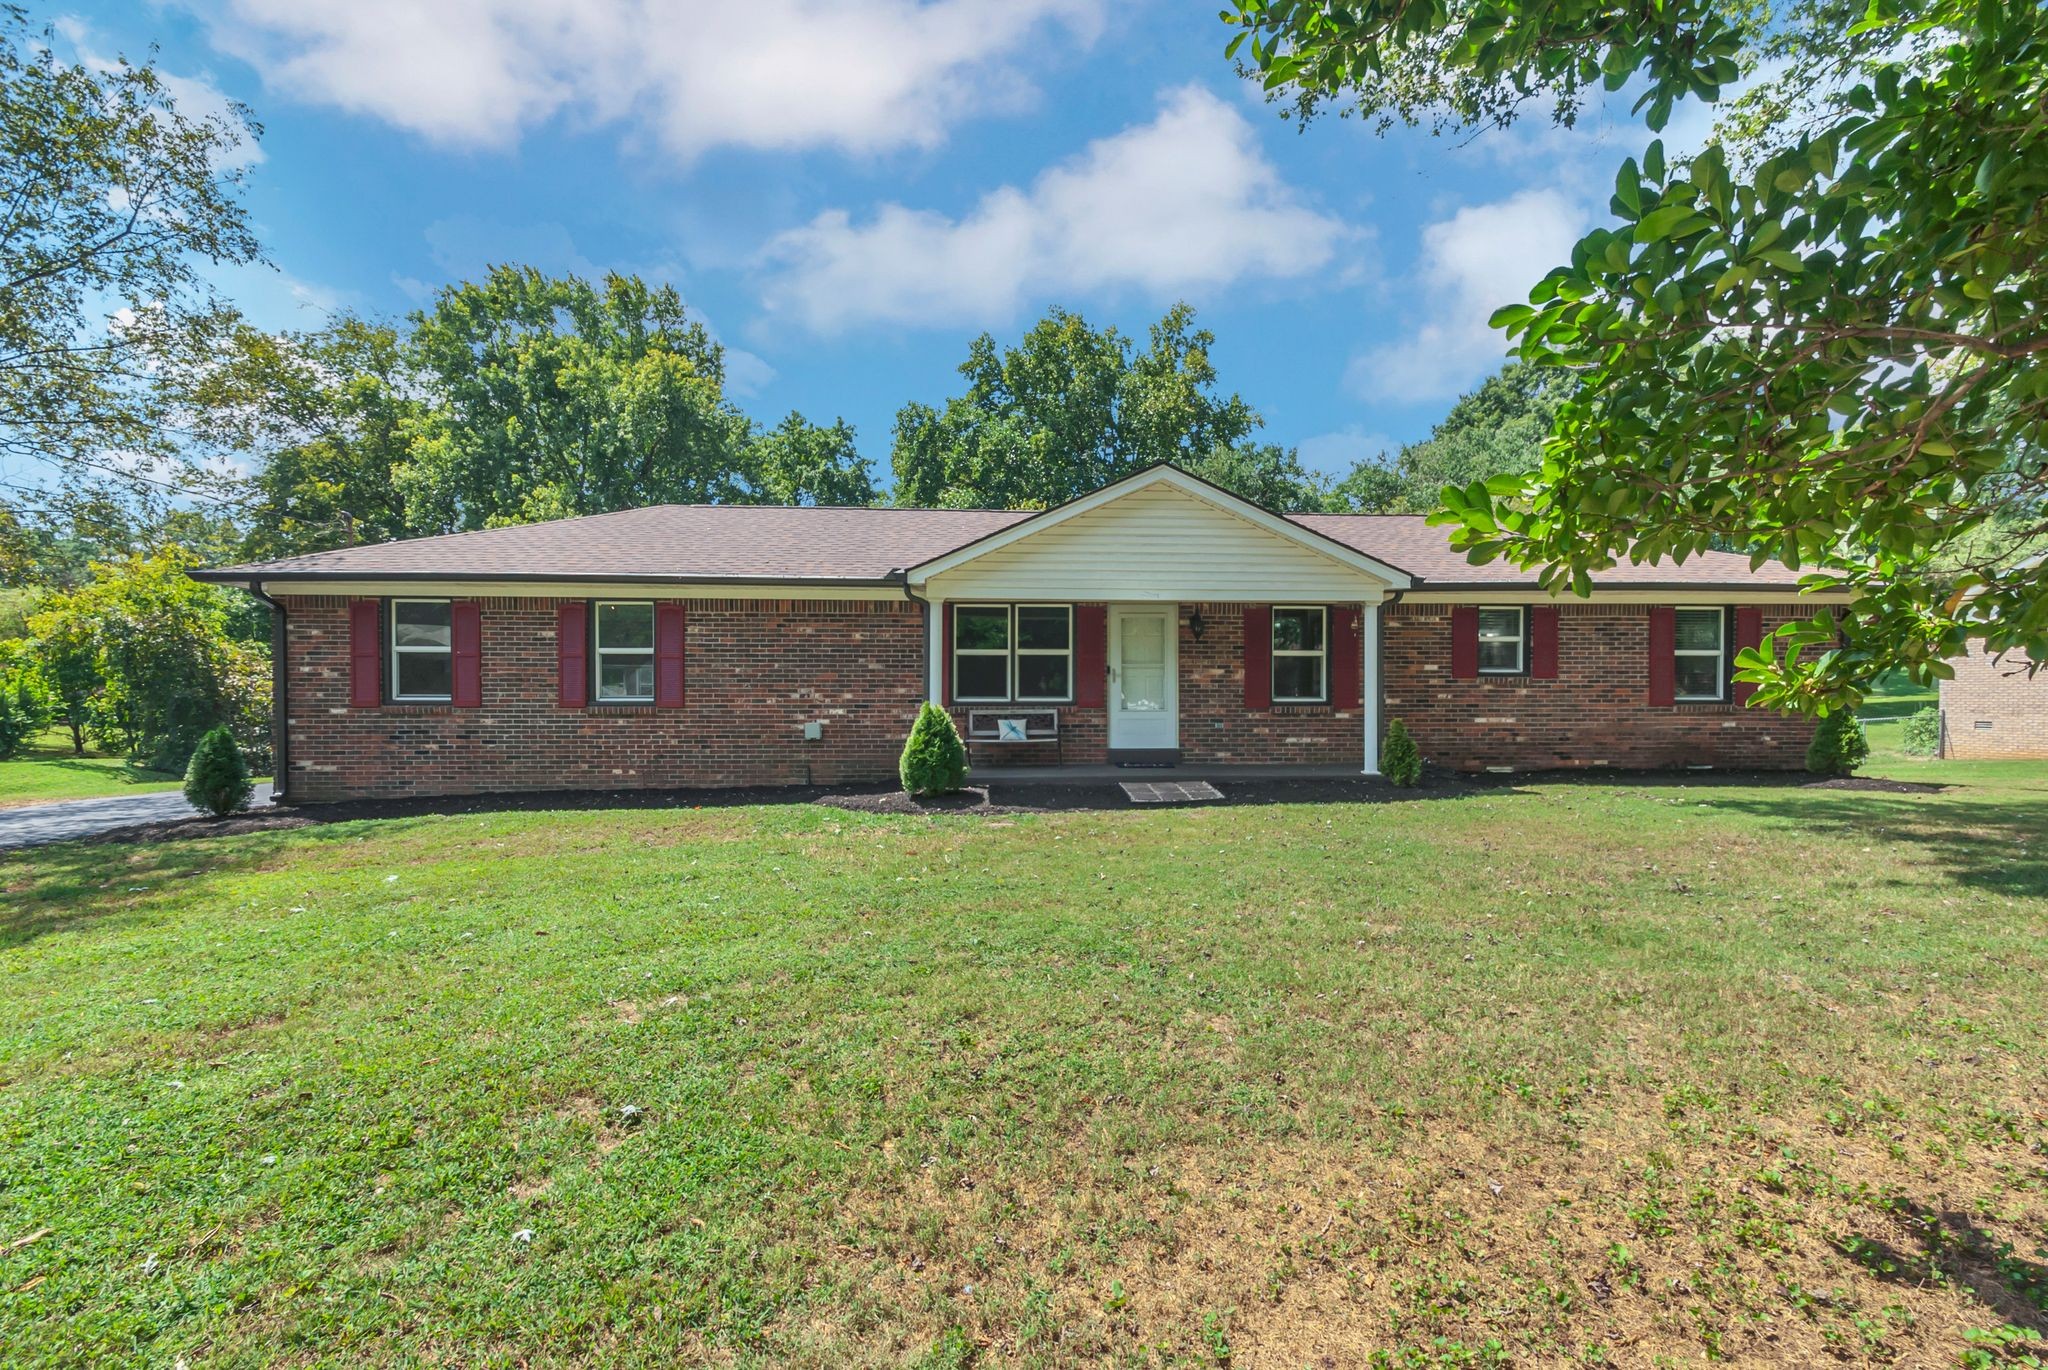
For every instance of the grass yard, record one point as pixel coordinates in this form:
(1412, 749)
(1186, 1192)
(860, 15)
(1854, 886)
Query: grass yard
(1616, 1072)
(47, 771)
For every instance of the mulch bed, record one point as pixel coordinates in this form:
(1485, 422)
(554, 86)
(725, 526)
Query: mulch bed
(979, 801)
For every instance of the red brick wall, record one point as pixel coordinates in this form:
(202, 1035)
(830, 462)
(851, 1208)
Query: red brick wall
(1596, 713)
(1993, 709)
(756, 672)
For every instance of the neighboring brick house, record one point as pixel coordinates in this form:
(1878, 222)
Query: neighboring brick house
(1160, 620)
(1994, 708)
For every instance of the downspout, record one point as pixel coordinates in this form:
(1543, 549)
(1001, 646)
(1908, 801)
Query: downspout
(1376, 716)
(924, 680)
(280, 687)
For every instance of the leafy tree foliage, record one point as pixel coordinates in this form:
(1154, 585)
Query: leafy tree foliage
(1825, 348)
(1498, 429)
(1071, 408)
(553, 395)
(67, 658)
(800, 462)
(112, 204)
(169, 660)
(24, 699)
(324, 417)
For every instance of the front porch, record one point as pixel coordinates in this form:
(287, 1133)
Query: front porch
(1186, 770)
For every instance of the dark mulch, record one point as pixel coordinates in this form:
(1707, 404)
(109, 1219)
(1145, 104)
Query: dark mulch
(978, 801)
(1874, 785)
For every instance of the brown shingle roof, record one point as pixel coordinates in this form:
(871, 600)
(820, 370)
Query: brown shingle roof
(1424, 552)
(695, 542)
(666, 542)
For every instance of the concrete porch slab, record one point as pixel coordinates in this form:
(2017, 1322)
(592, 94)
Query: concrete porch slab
(1186, 770)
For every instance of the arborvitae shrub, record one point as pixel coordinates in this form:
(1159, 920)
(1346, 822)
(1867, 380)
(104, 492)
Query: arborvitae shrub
(1838, 745)
(217, 779)
(934, 759)
(1399, 761)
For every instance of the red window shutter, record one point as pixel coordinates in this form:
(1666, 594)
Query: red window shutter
(668, 655)
(365, 655)
(1465, 642)
(1542, 642)
(946, 657)
(1091, 654)
(1347, 686)
(1663, 665)
(572, 653)
(1749, 632)
(466, 636)
(1258, 656)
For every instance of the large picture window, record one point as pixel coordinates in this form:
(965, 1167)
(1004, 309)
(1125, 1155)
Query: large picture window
(1004, 652)
(1503, 641)
(1300, 655)
(1699, 658)
(422, 650)
(625, 652)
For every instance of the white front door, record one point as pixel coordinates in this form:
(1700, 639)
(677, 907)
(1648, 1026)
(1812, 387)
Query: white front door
(1144, 695)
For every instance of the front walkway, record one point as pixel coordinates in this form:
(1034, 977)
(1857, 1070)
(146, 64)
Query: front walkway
(70, 819)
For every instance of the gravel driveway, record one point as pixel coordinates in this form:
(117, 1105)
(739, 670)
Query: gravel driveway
(61, 822)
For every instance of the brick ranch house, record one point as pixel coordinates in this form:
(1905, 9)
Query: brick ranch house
(1995, 708)
(1160, 619)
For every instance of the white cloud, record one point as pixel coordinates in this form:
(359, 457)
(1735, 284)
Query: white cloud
(1337, 452)
(1482, 257)
(860, 75)
(1184, 202)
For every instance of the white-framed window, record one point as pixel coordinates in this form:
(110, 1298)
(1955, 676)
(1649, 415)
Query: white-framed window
(1503, 640)
(981, 653)
(1699, 655)
(1045, 652)
(623, 647)
(422, 650)
(1301, 654)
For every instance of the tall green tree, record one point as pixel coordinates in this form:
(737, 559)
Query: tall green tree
(1071, 408)
(324, 418)
(113, 205)
(548, 396)
(1498, 429)
(1826, 346)
(800, 462)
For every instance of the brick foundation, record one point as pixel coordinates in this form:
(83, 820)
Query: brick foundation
(1993, 710)
(758, 670)
(1596, 713)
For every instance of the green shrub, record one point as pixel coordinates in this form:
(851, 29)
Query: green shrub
(1921, 734)
(934, 759)
(1838, 746)
(1399, 761)
(217, 779)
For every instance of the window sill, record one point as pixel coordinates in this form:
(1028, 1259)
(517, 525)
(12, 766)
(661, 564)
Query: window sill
(1306, 706)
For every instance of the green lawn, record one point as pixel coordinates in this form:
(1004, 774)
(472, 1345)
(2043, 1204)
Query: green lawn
(1642, 1073)
(48, 771)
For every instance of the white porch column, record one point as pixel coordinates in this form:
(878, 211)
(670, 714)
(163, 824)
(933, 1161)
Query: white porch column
(934, 651)
(1369, 688)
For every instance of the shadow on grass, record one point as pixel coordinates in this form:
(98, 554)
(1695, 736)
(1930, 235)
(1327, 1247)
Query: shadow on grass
(67, 885)
(1950, 1245)
(1998, 844)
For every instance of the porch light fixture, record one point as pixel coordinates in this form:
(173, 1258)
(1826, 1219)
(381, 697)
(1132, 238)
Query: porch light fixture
(1197, 625)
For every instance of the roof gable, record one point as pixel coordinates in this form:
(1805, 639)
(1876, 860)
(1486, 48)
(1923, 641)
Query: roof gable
(1152, 507)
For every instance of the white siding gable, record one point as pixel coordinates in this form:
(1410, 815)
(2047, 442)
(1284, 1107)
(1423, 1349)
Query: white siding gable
(1156, 543)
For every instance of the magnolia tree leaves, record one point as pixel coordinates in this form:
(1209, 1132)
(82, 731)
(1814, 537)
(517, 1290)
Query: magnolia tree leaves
(1828, 355)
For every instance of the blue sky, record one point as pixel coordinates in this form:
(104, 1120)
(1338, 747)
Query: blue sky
(849, 191)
